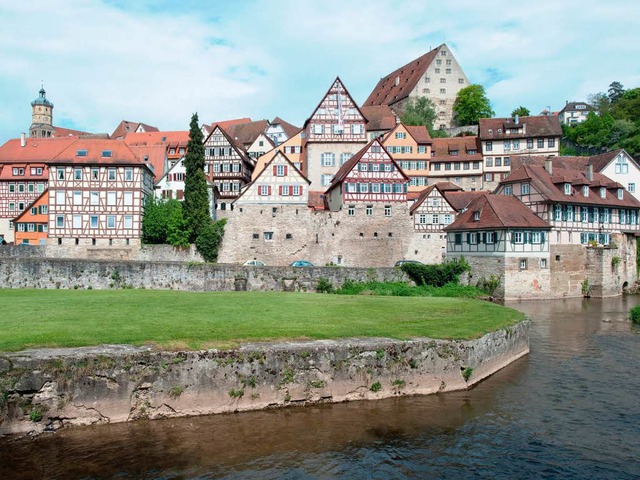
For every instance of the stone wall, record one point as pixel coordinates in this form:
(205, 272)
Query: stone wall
(567, 265)
(67, 274)
(44, 390)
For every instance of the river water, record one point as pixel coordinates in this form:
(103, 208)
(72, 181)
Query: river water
(570, 409)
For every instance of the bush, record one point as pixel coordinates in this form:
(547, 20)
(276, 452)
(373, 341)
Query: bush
(436, 275)
(489, 285)
(209, 240)
(163, 223)
(401, 289)
(634, 314)
(324, 286)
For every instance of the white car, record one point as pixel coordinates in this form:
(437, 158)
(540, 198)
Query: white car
(254, 263)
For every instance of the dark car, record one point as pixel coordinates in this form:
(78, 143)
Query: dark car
(301, 263)
(399, 263)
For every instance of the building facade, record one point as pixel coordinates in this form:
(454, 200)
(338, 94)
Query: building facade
(410, 147)
(574, 112)
(457, 160)
(32, 225)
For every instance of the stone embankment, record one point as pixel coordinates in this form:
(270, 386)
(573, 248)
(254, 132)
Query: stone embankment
(48, 389)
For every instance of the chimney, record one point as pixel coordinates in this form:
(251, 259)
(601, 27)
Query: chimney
(548, 165)
(516, 118)
(590, 172)
(23, 139)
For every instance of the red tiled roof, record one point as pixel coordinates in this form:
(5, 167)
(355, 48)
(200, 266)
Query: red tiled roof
(441, 149)
(386, 92)
(237, 146)
(246, 133)
(121, 154)
(67, 132)
(535, 126)
(572, 107)
(289, 130)
(599, 162)
(228, 123)
(125, 127)
(420, 133)
(379, 117)
(440, 186)
(317, 201)
(176, 137)
(459, 199)
(6, 172)
(551, 187)
(154, 156)
(35, 149)
(497, 212)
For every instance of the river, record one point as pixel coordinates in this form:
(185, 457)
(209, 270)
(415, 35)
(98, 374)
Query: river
(570, 409)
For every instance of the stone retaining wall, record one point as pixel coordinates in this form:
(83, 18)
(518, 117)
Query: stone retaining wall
(44, 390)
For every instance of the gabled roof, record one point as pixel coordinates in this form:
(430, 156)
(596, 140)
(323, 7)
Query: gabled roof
(246, 133)
(125, 127)
(379, 117)
(398, 84)
(420, 133)
(28, 209)
(535, 126)
(497, 212)
(440, 186)
(177, 137)
(441, 149)
(289, 130)
(235, 145)
(353, 161)
(573, 107)
(35, 149)
(599, 162)
(6, 171)
(459, 200)
(120, 153)
(67, 132)
(265, 137)
(337, 80)
(153, 155)
(551, 187)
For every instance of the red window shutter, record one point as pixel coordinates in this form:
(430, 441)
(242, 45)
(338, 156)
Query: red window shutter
(285, 170)
(180, 194)
(275, 170)
(300, 189)
(269, 190)
(280, 190)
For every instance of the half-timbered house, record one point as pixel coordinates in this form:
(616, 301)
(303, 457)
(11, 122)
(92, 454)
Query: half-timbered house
(410, 147)
(24, 176)
(261, 145)
(32, 225)
(279, 131)
(370, 177)
(503, 239)
(292, 148)
(333, 133)
(97, 190)
(227, 166)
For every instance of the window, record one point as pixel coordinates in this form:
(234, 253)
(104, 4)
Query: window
(21, 188)
(328, 159)
(128, 221)
(95, 198)
(111, 174)
(111, 198)
(267, 235)
(631, 187)
(489, 161)
(12, 206)
(77, 221)
(427, 80)
(488, 177)
(351, 210)
(461, 81)
(44, 209)
(536, 237)
(363, 187)
(508, 190)
(622, 166)
(59, 173)
(93, 221)
(128, 199)
(476, 216)
(498, 161)
(318, 129)
(128, 174)
(443, 90)
(490, 238)
(356, 128)
(585, 190)
(524, 189)
(551, 142)
(280, 170)
(489, 146)
(263, 190)
(516, 144)
(387, 210)
(95, 173)
(518, 237)
(447, 70)
(375, 188)
(506, 161)
(620, 194)
(344, 157)
(443, 80)
(523, 264)
(60, 221)
(77, 174)
(326, 180)
(458, 239)
(567, 189)
(437, 70)
(369, 210)
(111, 221)
(507, 145)
(12, 187)
(401, 135)
(77, 198)
(60, 198)
(541, 143)
(435, 219)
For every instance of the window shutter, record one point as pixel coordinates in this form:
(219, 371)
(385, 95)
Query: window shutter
(280, 190)
(275, 170)
(269, 190)
(542, 236)
(468, 238)
(285, 170)
(300, 189)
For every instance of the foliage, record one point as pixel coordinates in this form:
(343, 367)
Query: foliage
(324, 285)
(73, 318)
(585, 287)
(521, 112)
(163, 223)
(376, 387)
(470, 105)
(196, 192)
(35, 415)
(436, 275)
(615, 261)
(466, 373)
(634, 314)
(209, 240)
(176, 391)
(614, 124)
(402, 289)
(489, 285)
(419, 111)
(236, 393)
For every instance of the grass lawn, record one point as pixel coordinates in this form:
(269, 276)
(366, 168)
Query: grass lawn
(195, 320)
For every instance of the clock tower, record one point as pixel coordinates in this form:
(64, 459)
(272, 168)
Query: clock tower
(41, 116)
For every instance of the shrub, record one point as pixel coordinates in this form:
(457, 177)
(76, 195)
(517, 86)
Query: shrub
(176, 391)
(209, 240)
(376, 387)
(489, 285)
(634, 314)
(401, 289)
(586, 287)
(466, 373)
(615, 261)
(436, 275)
(324, 285)
(233, 393)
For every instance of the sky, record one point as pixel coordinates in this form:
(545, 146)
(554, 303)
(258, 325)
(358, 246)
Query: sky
(158, 62)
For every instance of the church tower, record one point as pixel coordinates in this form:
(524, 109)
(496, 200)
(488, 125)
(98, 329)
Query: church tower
(41, 117)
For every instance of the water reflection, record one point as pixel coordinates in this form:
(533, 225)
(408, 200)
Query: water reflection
(568, 410)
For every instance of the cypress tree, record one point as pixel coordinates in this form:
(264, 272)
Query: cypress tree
(196, 195)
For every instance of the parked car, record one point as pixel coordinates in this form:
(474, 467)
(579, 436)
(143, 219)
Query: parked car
(399, 263)
(255, 263)
(301, 263)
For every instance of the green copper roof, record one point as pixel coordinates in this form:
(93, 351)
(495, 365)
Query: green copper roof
(42, 99)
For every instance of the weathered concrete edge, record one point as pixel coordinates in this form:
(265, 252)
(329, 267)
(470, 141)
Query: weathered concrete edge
(116, 383)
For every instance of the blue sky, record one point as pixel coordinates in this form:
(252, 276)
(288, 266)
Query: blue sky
(159, 61)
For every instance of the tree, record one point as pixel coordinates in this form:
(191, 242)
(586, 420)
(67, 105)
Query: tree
(419, 111)
(210, 238)
(196, 194)
(471, 104)
(615, 92)
(521, 112)
(163, 223)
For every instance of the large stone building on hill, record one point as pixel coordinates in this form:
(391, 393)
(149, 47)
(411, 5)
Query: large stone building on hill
(436, 75)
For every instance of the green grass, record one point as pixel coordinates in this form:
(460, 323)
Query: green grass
(403, 289)
(187, 320)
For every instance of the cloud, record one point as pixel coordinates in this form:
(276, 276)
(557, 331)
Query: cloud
(158, 62)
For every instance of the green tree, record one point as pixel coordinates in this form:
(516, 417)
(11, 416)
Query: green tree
(163, 223)
(210, 238)
(615, 92)
(196, 194)
(470, 105)
(419, 111)
(521, 112)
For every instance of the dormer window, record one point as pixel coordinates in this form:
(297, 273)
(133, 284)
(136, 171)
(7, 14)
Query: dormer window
(453, 153)
(620, 194)
(603, 192)
(585, 191)
(567, 189)
(106, 153)
(476, 216)
(81, 153)
(472, 152)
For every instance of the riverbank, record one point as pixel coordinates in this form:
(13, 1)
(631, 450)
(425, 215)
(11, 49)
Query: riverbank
(50, 389)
